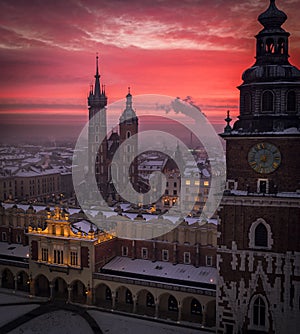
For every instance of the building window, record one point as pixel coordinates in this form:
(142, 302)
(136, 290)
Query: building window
(259, 312)
(175, 184)
(124, 251)
(108, 293)
(187, 182)
(197, 183)
(175, 192)
(4, 236)
(206, 183)
(196, 307)
(74, 258)
(186, 257)
(144, 253)
(261, 236)
(19, 239)
(128, 297)
(58, 256)
(172, 304)
(150, 300)
(128, 135)
(247, 103)
(209, 260)
(45, 254)
(263, 186)
(291, 101)
(270, 46)
(165, 255)
(267, 101)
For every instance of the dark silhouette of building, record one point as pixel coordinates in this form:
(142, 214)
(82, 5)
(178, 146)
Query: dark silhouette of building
(258, 248)
(102, 148)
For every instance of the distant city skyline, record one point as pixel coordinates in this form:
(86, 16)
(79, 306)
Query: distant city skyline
(176, 48)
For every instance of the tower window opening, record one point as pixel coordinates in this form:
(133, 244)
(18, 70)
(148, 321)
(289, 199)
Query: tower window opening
(128, 134)
(267, 101)
(280, 46)
(270, 47)
(259, 312)
(247, 103)
(291, 101)
(261, 236)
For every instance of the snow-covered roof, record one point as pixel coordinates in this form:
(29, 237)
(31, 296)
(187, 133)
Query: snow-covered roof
(16, 250)
(83, 226)
(160, 269)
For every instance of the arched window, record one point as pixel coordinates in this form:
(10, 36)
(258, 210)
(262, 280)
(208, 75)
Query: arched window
(267, 101)
(128, 134)
(150, 300)
(291, 101)
(260, 47)
(196, 307)
(280, 46)
(270, 45)
(108, 293)
(261, 236)
(128, 297)
(247, 103)
(259, 312)
(172, 304)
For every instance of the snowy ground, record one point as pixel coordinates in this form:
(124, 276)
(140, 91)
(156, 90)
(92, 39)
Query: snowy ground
(116, 324)
(67, 322)
(58, 322)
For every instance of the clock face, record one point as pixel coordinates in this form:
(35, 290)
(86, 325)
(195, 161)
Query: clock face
(264, 158)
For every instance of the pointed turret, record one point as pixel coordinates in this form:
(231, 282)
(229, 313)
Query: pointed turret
(128, 115)
(97, 98)
(97, 91)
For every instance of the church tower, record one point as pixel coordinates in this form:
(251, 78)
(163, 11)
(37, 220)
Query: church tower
(259, 248)
(128, 127)
(97, 164)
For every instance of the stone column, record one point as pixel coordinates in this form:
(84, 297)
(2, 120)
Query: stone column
(113, 297)
(69, 293)
(16, 283)
(179, 312)
(204, 315)
(89, 297)
(51, 286)
(156, 308)
(31, 285)
(134, 298)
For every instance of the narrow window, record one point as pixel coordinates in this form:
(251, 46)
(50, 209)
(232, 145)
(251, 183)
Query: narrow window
(267, 101)
(165, 255)
(172, 304)
(291, 101)
(196, 307)
(261, 236)
(259, 312)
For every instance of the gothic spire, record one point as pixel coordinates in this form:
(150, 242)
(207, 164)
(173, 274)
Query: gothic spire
(97, 91)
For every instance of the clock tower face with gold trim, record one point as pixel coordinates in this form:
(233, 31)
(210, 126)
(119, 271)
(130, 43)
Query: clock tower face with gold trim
(264, 158)
(258, 244)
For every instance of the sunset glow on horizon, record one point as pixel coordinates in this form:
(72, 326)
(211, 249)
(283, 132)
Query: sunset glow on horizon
(175, 48)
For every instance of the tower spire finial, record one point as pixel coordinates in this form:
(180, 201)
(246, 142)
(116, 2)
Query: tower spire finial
(97, 91)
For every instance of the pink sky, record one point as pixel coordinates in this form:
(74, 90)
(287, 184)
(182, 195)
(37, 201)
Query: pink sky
(177, 48)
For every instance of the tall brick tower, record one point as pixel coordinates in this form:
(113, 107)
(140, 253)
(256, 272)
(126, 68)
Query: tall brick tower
(97, 164)
(128, 127)
(259, 248)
